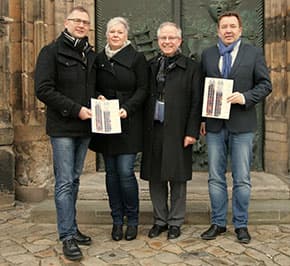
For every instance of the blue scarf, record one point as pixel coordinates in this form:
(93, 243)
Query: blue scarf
(225, 52)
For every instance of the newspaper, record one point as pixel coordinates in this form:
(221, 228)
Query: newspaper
(216, 92)
(105, 116)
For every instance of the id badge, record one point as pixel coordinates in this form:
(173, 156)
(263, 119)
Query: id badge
(159, 111)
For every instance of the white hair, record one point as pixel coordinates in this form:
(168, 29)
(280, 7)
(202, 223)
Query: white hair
(117, 20)
(172, 24)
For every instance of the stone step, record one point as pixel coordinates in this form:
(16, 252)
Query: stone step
(264, 186)
(197, 212)
(269, 201)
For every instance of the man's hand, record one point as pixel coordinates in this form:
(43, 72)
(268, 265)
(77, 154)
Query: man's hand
(188, 141)
(236, 97)
(85, 113)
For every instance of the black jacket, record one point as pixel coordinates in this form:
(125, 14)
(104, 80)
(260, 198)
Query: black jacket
(251, 77)
(65, 84)
(123, 77)
(182, 97)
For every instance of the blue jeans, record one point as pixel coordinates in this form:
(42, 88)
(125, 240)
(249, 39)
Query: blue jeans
(122, 188)
(68, 160)
(239, 148)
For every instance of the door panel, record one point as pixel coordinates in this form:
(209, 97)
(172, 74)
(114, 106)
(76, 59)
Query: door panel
(198, 22)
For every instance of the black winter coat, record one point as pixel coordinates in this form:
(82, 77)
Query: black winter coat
(182, 97)
(65, 84)
(123, 77)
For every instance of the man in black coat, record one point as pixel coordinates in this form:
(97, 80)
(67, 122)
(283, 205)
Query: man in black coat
(245, 65)
(65, 81)
(172, 122)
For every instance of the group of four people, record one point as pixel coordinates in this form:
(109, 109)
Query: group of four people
(160, 110)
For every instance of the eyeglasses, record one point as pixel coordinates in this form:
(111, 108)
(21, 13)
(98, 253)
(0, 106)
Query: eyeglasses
(169, 38)
(78, 21)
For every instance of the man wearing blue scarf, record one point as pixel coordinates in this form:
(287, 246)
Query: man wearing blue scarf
(233, 59)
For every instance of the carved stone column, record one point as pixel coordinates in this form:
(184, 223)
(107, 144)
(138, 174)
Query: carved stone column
(7, 158)
(40, 22)
(277, 108)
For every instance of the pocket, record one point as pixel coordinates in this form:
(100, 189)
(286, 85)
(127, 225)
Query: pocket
(67, 67)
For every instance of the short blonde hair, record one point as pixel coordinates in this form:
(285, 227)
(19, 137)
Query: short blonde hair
(117, 20)
(172, 24)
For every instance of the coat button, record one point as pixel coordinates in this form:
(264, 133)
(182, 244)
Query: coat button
(65, 112)
(102, 65)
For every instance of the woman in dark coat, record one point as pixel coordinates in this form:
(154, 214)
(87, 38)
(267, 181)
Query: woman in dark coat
(167, 155)
(122, 74)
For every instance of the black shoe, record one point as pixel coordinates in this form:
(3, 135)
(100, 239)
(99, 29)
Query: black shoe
(156, 230)
(117, 232)
(71, 249)
(131, 232)
(213, 232)
(82, 239)
(173, 232)
(243, 235)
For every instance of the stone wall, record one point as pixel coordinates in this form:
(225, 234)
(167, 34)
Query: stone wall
(277, 109)
(26, 27)
(25, 153)
(7, 158)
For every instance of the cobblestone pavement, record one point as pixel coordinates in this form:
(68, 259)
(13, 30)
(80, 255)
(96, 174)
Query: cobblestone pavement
(26, 243)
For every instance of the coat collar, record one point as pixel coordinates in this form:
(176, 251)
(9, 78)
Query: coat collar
(180, 62)
(238, 59)
(236, 64)
(73, 54)
(125, 57)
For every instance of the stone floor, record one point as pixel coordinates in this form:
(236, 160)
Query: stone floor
(28, 233)
(25, 243)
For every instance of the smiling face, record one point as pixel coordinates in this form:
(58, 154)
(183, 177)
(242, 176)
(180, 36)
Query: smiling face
(78, 24)
(169, 40)
(117, 35)
(229, 29)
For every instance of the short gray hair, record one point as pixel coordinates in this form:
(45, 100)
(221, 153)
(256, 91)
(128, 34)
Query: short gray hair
(172, 24)
(80, 9)
(117, 20)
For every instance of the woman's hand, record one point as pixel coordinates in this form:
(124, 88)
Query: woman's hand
(102, 97)
(123, 113)
(202, 129)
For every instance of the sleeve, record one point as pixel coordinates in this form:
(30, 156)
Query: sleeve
(140, 69)
(194, 119)
(262, 83)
